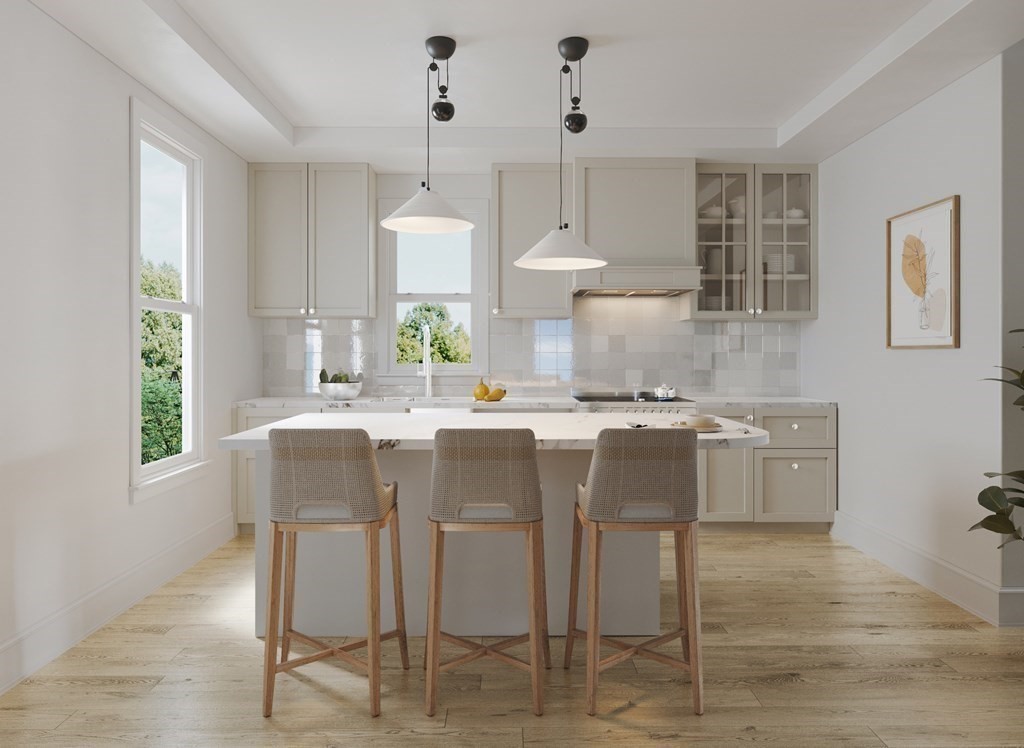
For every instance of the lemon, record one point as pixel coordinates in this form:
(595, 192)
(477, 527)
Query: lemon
(480, 391)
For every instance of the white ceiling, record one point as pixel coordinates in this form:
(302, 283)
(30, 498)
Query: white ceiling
(743, 79)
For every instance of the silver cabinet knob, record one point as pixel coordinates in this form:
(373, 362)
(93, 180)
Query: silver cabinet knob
(302, 310)
(795, 466)
(795, 427)
(312, 310)
(495, 311)
(750, 418)
(758, 311)
(751, 311)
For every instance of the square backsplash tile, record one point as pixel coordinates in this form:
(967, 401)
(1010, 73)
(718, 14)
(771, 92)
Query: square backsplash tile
(610, 343)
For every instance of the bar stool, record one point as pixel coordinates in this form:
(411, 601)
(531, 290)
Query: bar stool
(486, 480)
(639, 480)
(327, 480)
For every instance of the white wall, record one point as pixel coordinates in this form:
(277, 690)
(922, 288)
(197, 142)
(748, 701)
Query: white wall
(73, 550)
(917, 428)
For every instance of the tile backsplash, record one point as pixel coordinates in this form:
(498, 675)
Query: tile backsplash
(610, 343)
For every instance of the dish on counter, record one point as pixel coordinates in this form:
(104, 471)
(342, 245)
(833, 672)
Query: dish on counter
(699, 429)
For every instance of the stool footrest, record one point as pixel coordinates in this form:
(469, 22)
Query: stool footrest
(327, 650)
(476, 651)
(644, 649)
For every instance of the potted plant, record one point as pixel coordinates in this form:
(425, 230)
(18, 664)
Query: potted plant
(997, 499)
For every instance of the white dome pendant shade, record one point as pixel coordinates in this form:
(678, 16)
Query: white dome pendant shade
(560, 250)
(427, 212)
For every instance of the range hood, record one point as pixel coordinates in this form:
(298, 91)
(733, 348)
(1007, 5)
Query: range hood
(622, 280)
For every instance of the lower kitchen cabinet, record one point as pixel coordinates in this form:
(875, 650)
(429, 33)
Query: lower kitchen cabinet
(725, 477)
(791, 479)
(794, 485)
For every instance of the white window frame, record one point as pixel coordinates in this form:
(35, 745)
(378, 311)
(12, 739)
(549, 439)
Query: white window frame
(386, 328)
(146, 481)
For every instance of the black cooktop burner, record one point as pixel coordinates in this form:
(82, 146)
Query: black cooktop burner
(615, 397)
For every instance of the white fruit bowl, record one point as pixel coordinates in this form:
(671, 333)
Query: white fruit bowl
(340, 390)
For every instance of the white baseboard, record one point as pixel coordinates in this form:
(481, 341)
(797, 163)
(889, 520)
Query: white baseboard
(48, 639)
(969, 591)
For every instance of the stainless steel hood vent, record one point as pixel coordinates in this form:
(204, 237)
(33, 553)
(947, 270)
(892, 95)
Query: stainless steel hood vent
(636, 281)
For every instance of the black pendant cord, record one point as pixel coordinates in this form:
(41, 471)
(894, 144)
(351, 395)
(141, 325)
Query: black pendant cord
(427, 110)
(561, 145)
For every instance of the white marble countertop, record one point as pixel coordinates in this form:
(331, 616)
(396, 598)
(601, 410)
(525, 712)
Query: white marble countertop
(705, 400)
(554, 430)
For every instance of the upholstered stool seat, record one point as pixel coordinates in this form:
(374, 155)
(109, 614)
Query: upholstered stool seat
(327, 480)
(486, 480)
(639, 480)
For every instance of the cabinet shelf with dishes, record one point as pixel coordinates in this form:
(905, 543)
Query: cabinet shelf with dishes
(756, 242)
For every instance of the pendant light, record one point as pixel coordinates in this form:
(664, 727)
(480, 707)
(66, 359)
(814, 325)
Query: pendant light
(427, 212)
(561, 249)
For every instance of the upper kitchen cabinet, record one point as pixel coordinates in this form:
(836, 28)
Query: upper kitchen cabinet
(637, 211)
(524, 204)
(756, 242)
(786, 242)
(312, 240)
(725, 241)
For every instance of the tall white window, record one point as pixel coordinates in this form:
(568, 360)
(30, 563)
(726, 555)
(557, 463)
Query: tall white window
(166, 244)
(438, 280)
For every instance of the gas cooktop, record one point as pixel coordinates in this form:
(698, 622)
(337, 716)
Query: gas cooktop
(641, 396)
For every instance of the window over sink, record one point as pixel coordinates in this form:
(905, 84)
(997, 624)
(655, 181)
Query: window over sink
(439, 280)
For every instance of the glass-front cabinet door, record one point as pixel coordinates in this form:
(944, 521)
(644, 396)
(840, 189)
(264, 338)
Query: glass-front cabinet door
(725, 246)
(785, 285)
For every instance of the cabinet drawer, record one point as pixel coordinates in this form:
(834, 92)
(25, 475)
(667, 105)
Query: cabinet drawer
(798, 427)
(794, 485)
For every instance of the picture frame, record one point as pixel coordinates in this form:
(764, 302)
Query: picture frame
(922, 298)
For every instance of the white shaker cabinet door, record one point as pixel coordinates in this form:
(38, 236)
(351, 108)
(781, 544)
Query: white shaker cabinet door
(524, 208)
(277, 240)
(725, 477)
(794, 485)
(342, 241)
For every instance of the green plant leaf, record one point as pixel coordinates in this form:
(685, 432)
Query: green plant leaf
(996, 523)
(1014, 382)
(1013, 371)
(1019, 401)
(1015, 536)
(994, 499)
(1019, 329)
(1016, 500)
(1017, 475)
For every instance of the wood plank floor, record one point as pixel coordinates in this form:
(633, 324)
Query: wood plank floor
(807, 642)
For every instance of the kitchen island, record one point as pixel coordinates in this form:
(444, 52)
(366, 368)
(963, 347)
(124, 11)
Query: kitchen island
(485, 574)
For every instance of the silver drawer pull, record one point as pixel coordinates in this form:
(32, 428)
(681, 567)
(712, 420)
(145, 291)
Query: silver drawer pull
(795, 466)
(750, 418)
(795, 427)
(312, 310)
(302, 310)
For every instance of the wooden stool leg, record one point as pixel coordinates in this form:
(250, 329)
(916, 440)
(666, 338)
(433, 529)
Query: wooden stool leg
(593, 614)
(273, 610)
(574, 585)
(693, 616)
(680, 551)
(373, 614)
(533, 585)
(433, 654)
(542, 596)
(396, 577)
(290, 540)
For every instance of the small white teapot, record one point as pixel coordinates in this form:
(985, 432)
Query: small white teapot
(664, 392)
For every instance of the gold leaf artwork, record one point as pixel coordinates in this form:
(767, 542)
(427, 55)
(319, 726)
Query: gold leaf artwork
(915, 265)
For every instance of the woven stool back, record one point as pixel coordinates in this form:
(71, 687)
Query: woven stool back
(485, 467)
(324, 469)
(642, 467)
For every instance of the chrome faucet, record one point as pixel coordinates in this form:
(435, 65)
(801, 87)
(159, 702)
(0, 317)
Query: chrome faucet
(427, 371)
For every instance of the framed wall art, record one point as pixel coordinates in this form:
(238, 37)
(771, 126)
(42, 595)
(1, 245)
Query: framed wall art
(923, 277)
